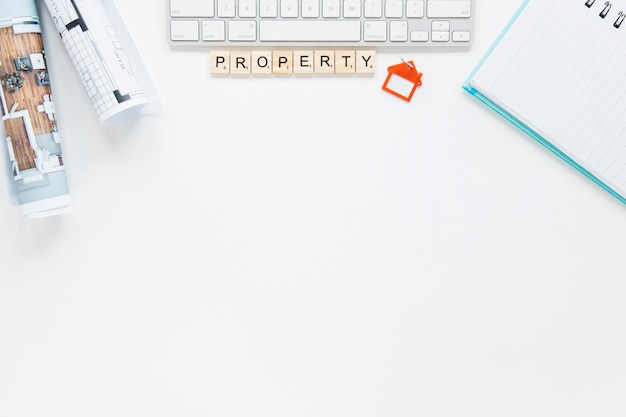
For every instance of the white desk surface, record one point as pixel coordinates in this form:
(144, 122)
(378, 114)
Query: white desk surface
(311, 247)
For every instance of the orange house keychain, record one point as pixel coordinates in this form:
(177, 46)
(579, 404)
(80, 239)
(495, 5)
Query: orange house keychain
(402, 80)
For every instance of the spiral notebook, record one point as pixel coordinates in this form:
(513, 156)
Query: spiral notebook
(558, 72)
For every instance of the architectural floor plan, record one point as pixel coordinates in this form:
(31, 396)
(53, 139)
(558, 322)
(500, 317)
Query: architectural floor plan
(32, 142)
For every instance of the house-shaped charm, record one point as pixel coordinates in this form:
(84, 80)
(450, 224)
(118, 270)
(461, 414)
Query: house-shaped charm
(402, 80)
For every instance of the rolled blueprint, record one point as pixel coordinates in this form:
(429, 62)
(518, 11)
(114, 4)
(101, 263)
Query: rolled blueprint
(31, 146)
(94, 46)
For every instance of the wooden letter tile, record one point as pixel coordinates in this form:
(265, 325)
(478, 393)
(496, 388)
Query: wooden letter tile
(303, 62)
(239, 62)
(219, 62)
(261, 62)
(365, 62)
(282, 62)
(345, 62)
(325, 62)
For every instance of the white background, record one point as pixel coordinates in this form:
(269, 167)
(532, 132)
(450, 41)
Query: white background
(311, 246)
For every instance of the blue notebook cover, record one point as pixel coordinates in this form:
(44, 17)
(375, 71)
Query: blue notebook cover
(522, 126)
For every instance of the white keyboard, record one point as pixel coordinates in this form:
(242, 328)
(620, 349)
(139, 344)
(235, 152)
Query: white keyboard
(342, 23)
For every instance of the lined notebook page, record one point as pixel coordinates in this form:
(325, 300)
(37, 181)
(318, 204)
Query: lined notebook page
(561, 70)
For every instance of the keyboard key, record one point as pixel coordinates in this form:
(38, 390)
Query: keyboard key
(226, 8)
(398, 31)
(448, 8)
(373, 8)
(242, 30)
(440, 36)
(419, 36)
(288, 8)
(310, 30)
(184, 30)
(415, 9)
(191, 8)
(247, 8)
(351, 8)
(393, 8)
(330, 8)
(214, 31)
(268, 8)
(375, 31)
(461, 36)
(310, 8)
(440, 26)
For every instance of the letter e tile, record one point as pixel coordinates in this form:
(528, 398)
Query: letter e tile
(303, 62)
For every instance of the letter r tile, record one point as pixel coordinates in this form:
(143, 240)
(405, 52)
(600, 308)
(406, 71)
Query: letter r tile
(325, 62)
(239, 62)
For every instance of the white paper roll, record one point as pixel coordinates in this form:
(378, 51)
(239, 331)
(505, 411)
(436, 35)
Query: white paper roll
(92, 42)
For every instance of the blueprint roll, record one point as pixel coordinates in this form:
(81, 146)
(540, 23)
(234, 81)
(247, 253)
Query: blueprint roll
(31, 155)
(92, 41)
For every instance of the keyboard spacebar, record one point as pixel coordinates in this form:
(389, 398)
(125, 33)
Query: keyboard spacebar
(310, 31)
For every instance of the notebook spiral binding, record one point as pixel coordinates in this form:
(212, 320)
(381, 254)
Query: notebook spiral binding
(605, 11)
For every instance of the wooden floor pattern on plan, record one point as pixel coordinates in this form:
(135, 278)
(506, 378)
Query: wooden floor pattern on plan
(30, 95)
(24, 154)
